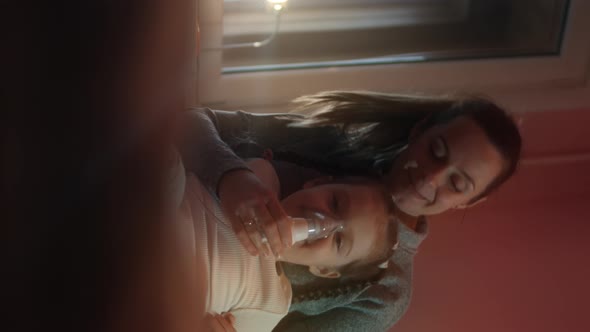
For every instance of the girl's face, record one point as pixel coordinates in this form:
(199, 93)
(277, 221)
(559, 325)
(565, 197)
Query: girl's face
(445, 167)
(363, 211)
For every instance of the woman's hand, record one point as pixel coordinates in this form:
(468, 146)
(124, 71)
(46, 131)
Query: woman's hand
(254, 210)
(220, 323)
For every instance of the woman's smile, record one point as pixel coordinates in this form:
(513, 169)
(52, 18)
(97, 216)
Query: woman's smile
(414, 192)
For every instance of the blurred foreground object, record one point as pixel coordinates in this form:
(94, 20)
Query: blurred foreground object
(89, 90)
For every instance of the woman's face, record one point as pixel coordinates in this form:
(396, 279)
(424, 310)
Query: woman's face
(444, 167)
(361, 208)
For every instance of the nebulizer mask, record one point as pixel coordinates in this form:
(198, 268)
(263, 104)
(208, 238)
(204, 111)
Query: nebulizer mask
(313, 227)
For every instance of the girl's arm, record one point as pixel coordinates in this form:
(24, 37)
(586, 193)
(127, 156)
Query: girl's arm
(219, 322)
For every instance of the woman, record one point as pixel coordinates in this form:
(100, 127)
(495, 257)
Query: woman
(434, 154)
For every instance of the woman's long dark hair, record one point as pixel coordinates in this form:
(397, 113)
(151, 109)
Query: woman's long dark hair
(377, 126)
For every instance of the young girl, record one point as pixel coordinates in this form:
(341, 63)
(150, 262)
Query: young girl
(253, 288)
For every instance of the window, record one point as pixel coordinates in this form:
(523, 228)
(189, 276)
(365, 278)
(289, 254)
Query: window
(389, 45)
(331, 33)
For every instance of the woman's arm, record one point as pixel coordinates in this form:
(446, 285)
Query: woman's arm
(266, 173)
(206, 143)
(203, 147)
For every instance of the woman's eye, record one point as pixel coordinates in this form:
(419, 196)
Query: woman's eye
(438, 148)
(458, 183)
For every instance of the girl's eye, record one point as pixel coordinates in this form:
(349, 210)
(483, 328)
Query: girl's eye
(338, 240)
(438, 148)
(334, 203)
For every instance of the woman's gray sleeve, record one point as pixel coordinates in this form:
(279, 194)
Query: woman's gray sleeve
(209, 140)
(203, 143)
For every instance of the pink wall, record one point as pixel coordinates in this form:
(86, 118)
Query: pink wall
(520, 261)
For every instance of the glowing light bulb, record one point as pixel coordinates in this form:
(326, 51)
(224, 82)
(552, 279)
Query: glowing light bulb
(277, 5)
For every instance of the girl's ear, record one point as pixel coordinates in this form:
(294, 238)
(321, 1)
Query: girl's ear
(324, 272)
(317, 181)
(464, 206)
